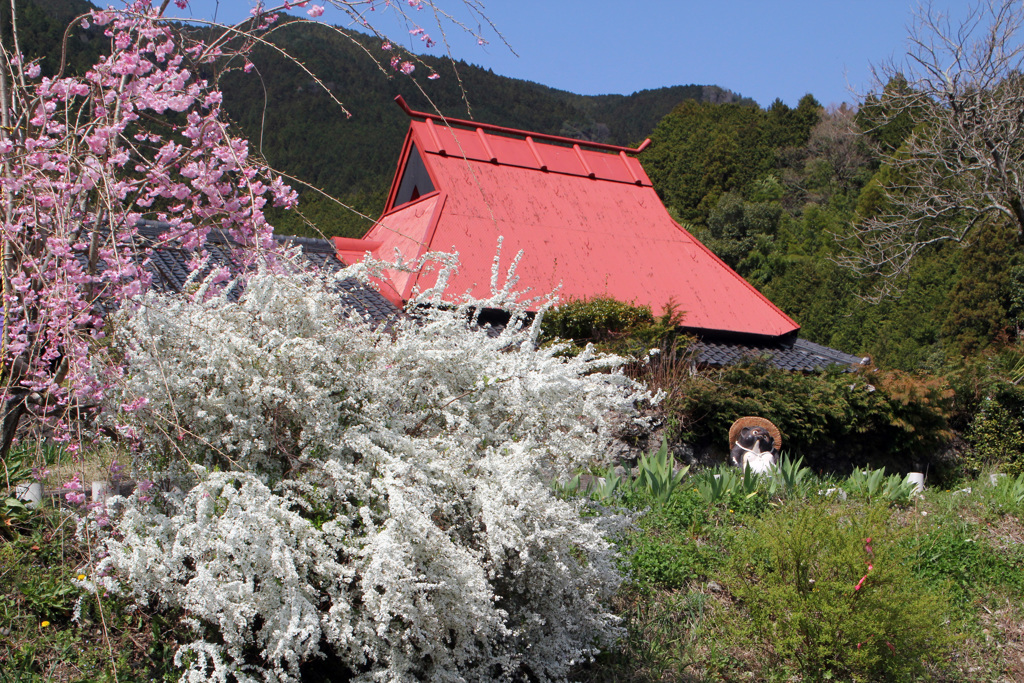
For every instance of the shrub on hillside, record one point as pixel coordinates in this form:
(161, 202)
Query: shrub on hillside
(375, 498)
(832, 418)
(996, 435)
(831, 592)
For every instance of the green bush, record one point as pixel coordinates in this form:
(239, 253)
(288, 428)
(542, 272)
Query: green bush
(830, 589)
(595, 320)
(997, 435)
(846, 417)
(612, 326)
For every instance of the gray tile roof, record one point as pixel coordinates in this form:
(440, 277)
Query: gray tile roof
(169, 265)
(791, 354)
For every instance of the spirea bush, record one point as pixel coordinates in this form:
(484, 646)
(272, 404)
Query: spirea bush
(374, 498)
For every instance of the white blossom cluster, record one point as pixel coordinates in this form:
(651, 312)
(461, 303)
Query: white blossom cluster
(375, 499)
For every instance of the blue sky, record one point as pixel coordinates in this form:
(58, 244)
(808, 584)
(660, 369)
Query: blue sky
(763, 50)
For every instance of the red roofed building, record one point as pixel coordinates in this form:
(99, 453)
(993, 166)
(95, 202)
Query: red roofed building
(585, 216)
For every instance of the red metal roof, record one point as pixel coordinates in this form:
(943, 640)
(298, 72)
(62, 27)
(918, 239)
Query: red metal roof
(584, 215)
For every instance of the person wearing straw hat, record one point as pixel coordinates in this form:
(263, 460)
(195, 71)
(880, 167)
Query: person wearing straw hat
(754, 443)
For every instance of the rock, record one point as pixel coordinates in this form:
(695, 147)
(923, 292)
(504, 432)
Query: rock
(714, 587)
(837, 492)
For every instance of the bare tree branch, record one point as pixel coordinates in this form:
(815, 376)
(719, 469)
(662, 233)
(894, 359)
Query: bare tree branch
(961, 84)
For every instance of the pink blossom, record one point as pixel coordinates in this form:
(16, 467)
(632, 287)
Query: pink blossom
(434, 76)
(116, 469)
(315, 11)
(386, 45)
(138, 403)
(74, 487)
(66, 159)
(407, 68)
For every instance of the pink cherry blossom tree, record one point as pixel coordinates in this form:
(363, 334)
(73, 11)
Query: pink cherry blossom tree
(141, 135)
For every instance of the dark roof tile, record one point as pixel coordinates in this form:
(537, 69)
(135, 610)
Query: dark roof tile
(168, 264)
(797, 355)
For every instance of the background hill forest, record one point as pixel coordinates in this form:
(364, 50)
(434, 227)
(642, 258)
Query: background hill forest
(769, 190)
(291, 120)
(772, 191)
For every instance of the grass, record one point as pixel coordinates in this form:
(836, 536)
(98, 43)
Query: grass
(51, 628)
(708, 596)
(696, 609)
(54, 630)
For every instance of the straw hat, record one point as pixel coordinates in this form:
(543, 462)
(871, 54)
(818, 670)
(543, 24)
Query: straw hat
(734, 431)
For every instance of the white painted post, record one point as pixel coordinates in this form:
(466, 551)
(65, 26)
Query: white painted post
(30, 494)
(100, 491)
(917, 479)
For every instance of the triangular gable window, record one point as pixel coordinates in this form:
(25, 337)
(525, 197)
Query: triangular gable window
(415, 180)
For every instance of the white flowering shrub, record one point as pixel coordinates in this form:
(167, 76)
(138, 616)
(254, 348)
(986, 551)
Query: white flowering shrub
(374, 500)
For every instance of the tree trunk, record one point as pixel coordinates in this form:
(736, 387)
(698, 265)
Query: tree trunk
(14, 409)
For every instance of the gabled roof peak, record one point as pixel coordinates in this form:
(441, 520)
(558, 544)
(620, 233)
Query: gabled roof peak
(514, 132)
(584, 215)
